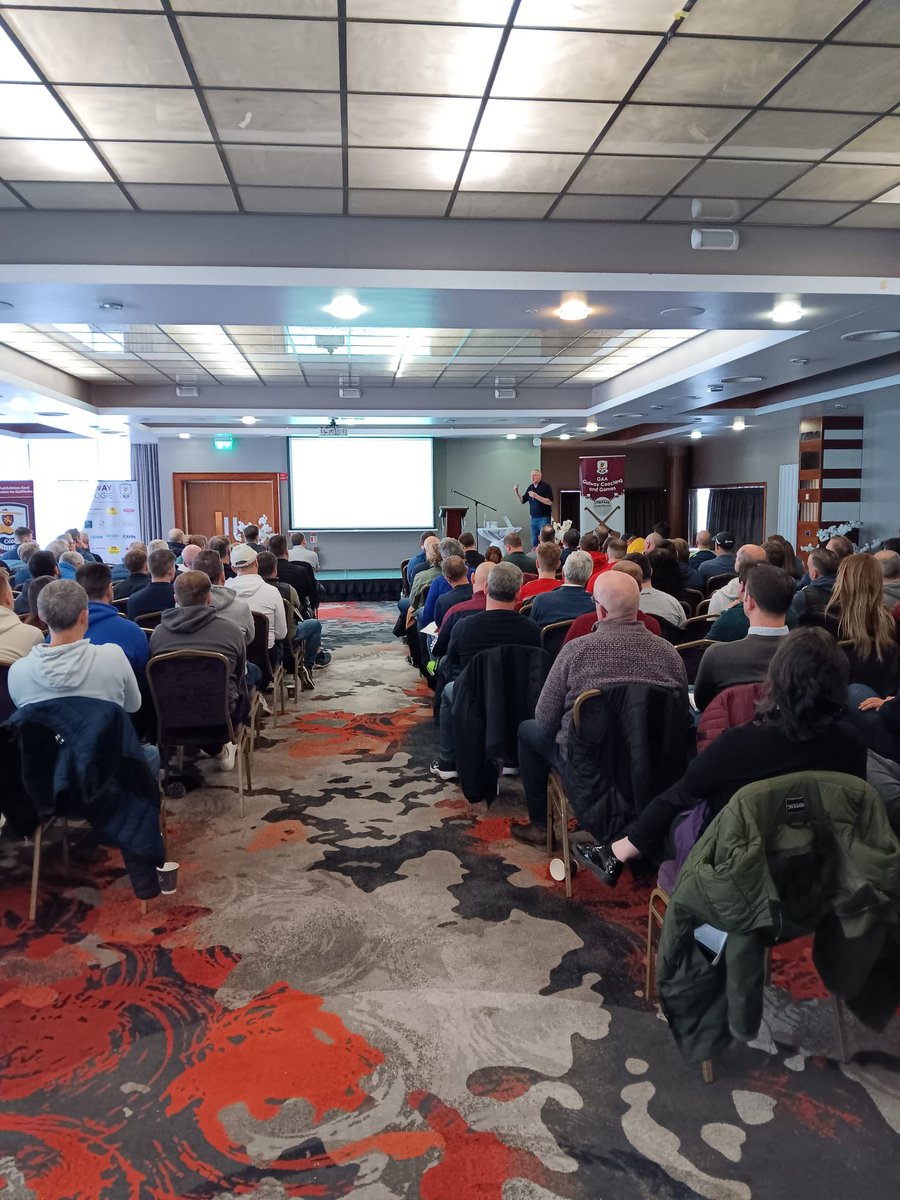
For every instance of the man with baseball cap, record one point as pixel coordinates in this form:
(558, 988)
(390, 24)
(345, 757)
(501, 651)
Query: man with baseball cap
(723, 563)
(261, 597)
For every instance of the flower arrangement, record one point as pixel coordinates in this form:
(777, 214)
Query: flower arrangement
(262, 524)
(560, 531)
(826, 534)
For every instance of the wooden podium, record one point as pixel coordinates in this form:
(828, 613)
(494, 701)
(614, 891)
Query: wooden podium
(452, 519)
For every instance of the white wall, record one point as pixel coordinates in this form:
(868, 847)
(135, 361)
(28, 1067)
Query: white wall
(880, 510)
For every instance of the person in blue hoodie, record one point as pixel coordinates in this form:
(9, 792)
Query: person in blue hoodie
(105, 624)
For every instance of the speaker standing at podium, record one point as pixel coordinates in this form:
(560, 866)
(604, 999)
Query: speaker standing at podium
(539, 498)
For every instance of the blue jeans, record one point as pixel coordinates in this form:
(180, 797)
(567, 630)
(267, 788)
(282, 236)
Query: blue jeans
(537, 524)
(254, 676)
(403, 604)
(151, 754)
(310, 633)
(539, 753)
(447, 760)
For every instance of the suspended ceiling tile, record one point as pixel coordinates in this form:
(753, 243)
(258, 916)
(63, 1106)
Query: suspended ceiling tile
(442, 122)
(118, 5)
(651, 16)
(668, 129)
(502, 205)
(490, 171)
(164, 162)
(173, 197)
(610, 175)
(234, 53)
(798, 212)
(298, 118)
(105, 196)
(397, 202)
(879, 22)
(476, 12)
(603, 208)
(273, 165)
(873, 216)
(716, 71)
(40, 160)
(406, 169)
(835, 181)
(541, 125)
(565, 65)
(28, 110)
(678, 208)
(14, 66)
(101, 47)
(433, 59)
(292, 200)
(792, 135)
(170, 114)
(880, 144)
(774, 18)
(727, 178)
(843, 78)
(260, 8)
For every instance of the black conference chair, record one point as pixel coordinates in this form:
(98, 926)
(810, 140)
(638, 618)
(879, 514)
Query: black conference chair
(553, 636)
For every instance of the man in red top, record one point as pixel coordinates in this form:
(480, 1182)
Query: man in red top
(547, 556)
(616, 550)
(591, 543)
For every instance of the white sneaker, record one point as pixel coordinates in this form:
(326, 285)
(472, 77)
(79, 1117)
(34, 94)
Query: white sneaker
(228, 757)
(264, 705)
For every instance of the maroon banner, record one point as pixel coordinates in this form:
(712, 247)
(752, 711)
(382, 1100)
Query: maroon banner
(16, 508)
(602, 487)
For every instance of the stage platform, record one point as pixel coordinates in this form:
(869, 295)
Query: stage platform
(383, 584)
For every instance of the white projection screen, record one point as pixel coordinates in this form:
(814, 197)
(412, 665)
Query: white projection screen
(361, 483)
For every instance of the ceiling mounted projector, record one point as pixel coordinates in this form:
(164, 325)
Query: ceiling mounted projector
(715, 239)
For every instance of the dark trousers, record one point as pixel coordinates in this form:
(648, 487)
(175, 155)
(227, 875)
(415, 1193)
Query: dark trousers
(539, 754)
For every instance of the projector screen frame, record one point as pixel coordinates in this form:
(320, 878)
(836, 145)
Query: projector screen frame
(368, 529)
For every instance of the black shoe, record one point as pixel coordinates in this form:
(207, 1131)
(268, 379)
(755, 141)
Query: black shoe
(530, 833)
(600, 859)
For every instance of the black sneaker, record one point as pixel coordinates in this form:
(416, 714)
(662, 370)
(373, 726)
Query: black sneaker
(529, 833)
(446, 774)
(599, 858)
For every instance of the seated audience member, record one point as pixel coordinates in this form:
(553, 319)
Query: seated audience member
(768, 592)
(297, 573)
(620, 650)
(419, 561)
(135, 562)
(516, 555)
(690, 576)
(591, 543)
(105, 625)
(798, 727)
(616, 549)
(547, 534)
(225, 602)
(82, 543)
(174, 541)
(300, 552)
(652, 542)
(261, 597)
(458, 611)
(665, 572)
(20, 572)
(498, 625)
(570, 541)
(158, 594)
(188, 557)
(192, 625)
(157, 544)
(69, 665)
(569, 601)
(493, 554)
(732, 624)
(120, 571)
(250, 535)
(470, 549)
(664, 530)
(454, 572)
(222, 547)
(196, 539)
(69, 562)
(810, 602)
(307, 630)
(40, 564)
(449, 548)
(704, 552)
(723, 562)
(889, 561)
(841, 546)
(856, 615)
(725, 597)
(656, 603)
(425, 575)
(16, 638)
(777, 555)
(32, 617)
(792, 563)
(21, 534)
(587, 622)
(547, 559)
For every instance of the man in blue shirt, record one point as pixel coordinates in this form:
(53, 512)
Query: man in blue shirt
(539, 498)
(723, 563)
(105, 625)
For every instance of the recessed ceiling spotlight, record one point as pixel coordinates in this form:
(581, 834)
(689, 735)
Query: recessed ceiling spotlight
(871, 335)
(715, 387)
(738, 424)
(19, 404)
(573, 310)
(111, 305)
(531, 312)
(536, 442)
(185, 437)
(248, 420)
(591, 426)
(628, 416)
(511, 437)
(657, 407)
(696, 435)
(742, 379)
(841, 407)
(799, 362)
(564, 437)
(786, 311)
(685, 310)
(345, 308)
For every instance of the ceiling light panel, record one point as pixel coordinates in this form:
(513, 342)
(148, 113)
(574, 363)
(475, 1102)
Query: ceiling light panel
(50, 160)
(498, 172)
(549, 125)
(263, 54)
(431, 59)
(563, 65)
(669, 129)
(14, 67)
(843, 78)
(652, 16)
(735, 18)
(444, 122)
(465, 12)
(28, 110)
(716, 71)
(296, 118)
(100, 47)
(791, 135)
(169, 114)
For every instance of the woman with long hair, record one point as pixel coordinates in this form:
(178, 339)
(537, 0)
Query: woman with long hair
(798, 727)
(793, 564)
(857, 616)
(776, 554)
(667, 575)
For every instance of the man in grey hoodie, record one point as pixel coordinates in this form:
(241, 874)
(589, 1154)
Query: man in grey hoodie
(226, 602)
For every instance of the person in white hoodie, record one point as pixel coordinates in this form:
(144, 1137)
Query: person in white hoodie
(259, 595)
(16, 639)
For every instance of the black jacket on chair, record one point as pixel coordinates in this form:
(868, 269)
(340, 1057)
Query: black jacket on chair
(632, 743)
(496, 692)
(80, 757)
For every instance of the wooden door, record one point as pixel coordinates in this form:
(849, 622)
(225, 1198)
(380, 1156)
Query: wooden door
(213, 504)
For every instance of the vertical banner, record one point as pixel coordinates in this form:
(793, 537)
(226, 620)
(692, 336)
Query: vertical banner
(112, 520)
(602, 486)
(16, 508)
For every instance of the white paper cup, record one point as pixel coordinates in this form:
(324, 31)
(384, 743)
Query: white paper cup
(167, 875)
(558, 869)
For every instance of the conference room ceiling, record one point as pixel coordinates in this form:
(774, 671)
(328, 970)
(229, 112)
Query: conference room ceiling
(591, 110)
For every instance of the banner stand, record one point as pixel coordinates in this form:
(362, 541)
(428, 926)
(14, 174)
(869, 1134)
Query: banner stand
(602, 486)
(112, 520)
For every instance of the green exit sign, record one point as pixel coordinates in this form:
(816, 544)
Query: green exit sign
(223, 441)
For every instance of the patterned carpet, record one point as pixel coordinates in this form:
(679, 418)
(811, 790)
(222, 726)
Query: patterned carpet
(365, 988)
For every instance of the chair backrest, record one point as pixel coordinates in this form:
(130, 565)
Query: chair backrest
(528, 577)
(6, 705)
(702, 608)
(688, 610)
(553, 636)
(526, 604)
(691, 654)
(717, 581)
(121, 605)
(694, 597)
(258, 650)
(404, 584)
(148, 620)
(190, 690)
(697, 627)
(670, 631)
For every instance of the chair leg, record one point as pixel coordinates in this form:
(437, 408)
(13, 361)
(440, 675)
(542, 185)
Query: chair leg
(248, 761)
(841, 1029)
(35, 872)
(239, 755)
(706, 1070)
(566, 849)
(650, 976)
(551, 816)
(65, 844)
(180, 760)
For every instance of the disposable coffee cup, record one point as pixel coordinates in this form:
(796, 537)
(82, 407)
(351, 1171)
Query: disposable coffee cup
(558, 869)
(167, 875)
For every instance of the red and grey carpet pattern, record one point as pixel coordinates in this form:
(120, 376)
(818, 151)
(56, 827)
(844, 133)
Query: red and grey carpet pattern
(365, 988)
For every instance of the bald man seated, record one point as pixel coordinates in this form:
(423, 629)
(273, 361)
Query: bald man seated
(620, 650)
(729, 595)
